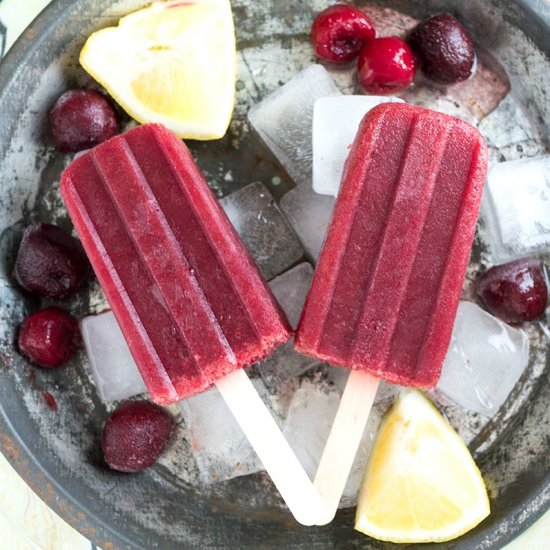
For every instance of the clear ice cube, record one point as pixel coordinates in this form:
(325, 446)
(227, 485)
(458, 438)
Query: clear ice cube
(219, 446)
(283, 364)
(485, 360)
(385, 394)
(471, 100)
(338, 376)
(510, 133)
(515, 210)
(264, 230)
(283, 120)
(308, 423)
(309, 215)
(114, 370)
(290, 289)
(335, 124)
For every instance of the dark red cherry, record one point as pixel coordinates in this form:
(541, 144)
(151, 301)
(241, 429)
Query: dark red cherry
(515, 292)
(135, 435)
(444, 49)
(81, 119)
(49, 337)
(50, 262)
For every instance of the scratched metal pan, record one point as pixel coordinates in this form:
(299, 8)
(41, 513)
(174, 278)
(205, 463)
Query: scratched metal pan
(57, 452)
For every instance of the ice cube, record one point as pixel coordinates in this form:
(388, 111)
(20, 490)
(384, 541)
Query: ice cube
(307, 427)
(219, 446)
(485, 360)
(384, 395)
(264, 230)
(339, 377)
(471, 100)
(283, 120)
(510, 133)
(114, 370)
(483, 91)
(283, 364)
(290, 289)
(309, 420)
(309, 215)
(335, 124)
(515, 211)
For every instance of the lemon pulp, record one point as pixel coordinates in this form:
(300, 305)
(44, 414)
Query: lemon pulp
(421, 484)
(173, 63)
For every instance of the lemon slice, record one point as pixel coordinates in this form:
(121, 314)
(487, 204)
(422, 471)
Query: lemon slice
(172, 62)
(421, 484)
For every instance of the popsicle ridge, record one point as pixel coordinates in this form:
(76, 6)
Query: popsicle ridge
(459, 247)
(154, 242)
(151, 365)
(207, 242)
(199, 299)
(412, 185)
(341, 277)
(398, 250)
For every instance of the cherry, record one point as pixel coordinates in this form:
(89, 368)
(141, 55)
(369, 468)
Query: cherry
(135, 435)
(515, 292)
(81, 119)
(50, 262)
(49, 337)
(386, 65)
(444, 48)
(339, 32)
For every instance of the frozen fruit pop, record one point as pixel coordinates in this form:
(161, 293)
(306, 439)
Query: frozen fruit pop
(388, 282)
(189, 300)
(187, 296)
(386, 288)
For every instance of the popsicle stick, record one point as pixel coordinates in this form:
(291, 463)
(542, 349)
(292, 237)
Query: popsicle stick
(272, 448)
(343, 440)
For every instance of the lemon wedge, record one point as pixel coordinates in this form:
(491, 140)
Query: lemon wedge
(421, 484)
(173, 63)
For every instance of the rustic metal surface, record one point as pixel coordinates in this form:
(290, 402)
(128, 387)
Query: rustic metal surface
(57, 453)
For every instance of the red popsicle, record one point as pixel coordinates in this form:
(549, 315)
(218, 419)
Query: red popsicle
(385, 291)
(389, 278)
(190, 301)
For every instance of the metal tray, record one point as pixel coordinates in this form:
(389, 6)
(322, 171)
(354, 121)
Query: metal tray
(57, 453)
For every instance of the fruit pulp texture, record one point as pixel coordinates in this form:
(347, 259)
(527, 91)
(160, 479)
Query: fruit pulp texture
(387, 285)
(190, 302)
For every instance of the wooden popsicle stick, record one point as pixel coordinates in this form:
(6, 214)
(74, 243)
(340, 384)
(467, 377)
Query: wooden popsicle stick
(343, 440)
(272, 448)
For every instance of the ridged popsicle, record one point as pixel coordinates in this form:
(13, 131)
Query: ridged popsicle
(388, 282)
(190, 301)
